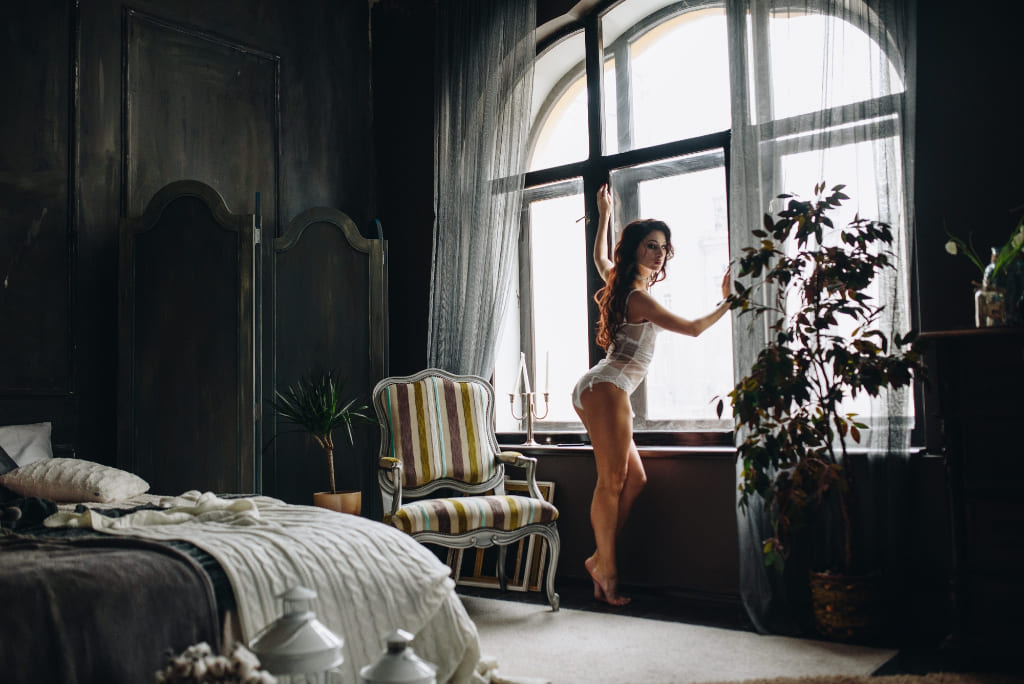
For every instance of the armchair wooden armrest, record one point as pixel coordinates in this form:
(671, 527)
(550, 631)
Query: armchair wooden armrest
(527, 463)
(515, 458)
(390, 469)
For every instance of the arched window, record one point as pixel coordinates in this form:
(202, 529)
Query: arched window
(670, 86)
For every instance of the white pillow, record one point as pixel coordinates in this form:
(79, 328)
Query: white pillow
(73, 479)
(26, 443)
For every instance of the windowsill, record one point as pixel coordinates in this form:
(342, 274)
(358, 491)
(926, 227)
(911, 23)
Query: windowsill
(700, 440)
(660, 451)
(664, 451)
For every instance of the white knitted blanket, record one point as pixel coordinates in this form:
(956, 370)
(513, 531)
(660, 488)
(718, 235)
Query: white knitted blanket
(370, 579)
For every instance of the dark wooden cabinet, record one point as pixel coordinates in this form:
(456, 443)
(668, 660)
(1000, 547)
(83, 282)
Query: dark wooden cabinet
(978, 377)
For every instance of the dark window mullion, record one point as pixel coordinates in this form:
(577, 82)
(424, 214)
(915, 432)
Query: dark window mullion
(595, 173)
(600, 168)
(595, 96)
(676, 148)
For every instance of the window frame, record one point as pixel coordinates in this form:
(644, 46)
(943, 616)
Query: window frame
(597, 167)
(594, 171)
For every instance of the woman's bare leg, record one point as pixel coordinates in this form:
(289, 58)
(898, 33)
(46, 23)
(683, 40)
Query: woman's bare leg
(608, 419)
(636, 478)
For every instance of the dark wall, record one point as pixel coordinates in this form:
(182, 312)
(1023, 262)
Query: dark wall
(76, 160)
(969, 179)
(681, 533)
(403, 106)
(967, 150)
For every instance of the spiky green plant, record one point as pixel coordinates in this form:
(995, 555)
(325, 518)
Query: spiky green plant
(315, 403)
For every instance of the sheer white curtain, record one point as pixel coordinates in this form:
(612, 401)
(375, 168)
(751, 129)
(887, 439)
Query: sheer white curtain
(484, 55)
(823, 90)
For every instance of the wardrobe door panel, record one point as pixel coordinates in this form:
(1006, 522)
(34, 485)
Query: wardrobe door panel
(186, 415)
(326, 315)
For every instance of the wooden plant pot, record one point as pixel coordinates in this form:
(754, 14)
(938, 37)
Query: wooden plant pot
(343, 502)
(847, 607)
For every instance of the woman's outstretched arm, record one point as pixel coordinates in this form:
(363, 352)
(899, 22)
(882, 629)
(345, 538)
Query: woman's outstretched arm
(604, 218)
(645, 308)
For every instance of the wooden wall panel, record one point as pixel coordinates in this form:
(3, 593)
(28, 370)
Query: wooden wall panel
(36, 236)
(199, 107)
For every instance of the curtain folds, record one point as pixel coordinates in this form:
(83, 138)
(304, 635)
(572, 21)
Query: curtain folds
(484, 55)
(860, 118)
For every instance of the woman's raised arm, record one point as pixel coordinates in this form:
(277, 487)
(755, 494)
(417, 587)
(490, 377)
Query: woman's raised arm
(604, 217)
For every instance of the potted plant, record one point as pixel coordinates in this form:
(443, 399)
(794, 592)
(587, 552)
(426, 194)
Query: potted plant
(810, 286)
(998, 295)
(315, 403)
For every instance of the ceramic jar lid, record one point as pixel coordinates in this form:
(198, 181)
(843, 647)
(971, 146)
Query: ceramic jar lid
(398, 664)
(297, 642)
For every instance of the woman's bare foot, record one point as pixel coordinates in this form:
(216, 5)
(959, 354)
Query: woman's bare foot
(589, 565)
(604, 588)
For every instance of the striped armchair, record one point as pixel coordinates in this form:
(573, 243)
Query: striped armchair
(437, 432)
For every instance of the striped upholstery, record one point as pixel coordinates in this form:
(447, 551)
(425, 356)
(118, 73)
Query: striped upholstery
(460, 515)
(440, 429)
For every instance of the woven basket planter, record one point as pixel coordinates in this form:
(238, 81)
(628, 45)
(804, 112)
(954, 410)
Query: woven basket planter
(847, 607)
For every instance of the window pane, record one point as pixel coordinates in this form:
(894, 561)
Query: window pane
(506, 363)
(678, 79)
(553, 295)
(611, 112)
(852, 165)
(559, 131)
(558, 269)
(689, 194)
(811, 74)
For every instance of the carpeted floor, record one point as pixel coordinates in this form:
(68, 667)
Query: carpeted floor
(529, 642)
(935, 678)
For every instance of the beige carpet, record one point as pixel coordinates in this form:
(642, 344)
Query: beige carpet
(528, 642)
(935, 678)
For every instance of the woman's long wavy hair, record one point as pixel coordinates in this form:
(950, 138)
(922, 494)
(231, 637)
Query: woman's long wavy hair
(611, 299)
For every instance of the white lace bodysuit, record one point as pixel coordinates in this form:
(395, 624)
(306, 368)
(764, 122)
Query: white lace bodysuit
(627, 361)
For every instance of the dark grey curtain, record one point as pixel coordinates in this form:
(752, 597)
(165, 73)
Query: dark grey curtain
(484, 84)
(860, 120)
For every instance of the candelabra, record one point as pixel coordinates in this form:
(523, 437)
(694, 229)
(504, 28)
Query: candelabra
(529, 413)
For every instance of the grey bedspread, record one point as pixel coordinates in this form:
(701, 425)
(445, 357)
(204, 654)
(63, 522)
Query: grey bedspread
(106, 609)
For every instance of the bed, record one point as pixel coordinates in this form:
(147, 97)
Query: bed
(101, 578)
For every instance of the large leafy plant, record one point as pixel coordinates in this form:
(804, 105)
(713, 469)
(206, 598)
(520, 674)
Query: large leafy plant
(315, 403)
(811, 286)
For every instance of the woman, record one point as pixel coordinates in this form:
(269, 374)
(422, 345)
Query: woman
(630, 320)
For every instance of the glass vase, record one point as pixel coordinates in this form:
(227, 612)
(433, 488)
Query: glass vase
(989, 307)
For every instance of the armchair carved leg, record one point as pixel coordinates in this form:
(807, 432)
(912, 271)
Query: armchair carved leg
(502, 580)
(551, 536)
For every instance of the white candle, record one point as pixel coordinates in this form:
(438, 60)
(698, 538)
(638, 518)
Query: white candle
(547, 371)
(519, 372)
(526, 374)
